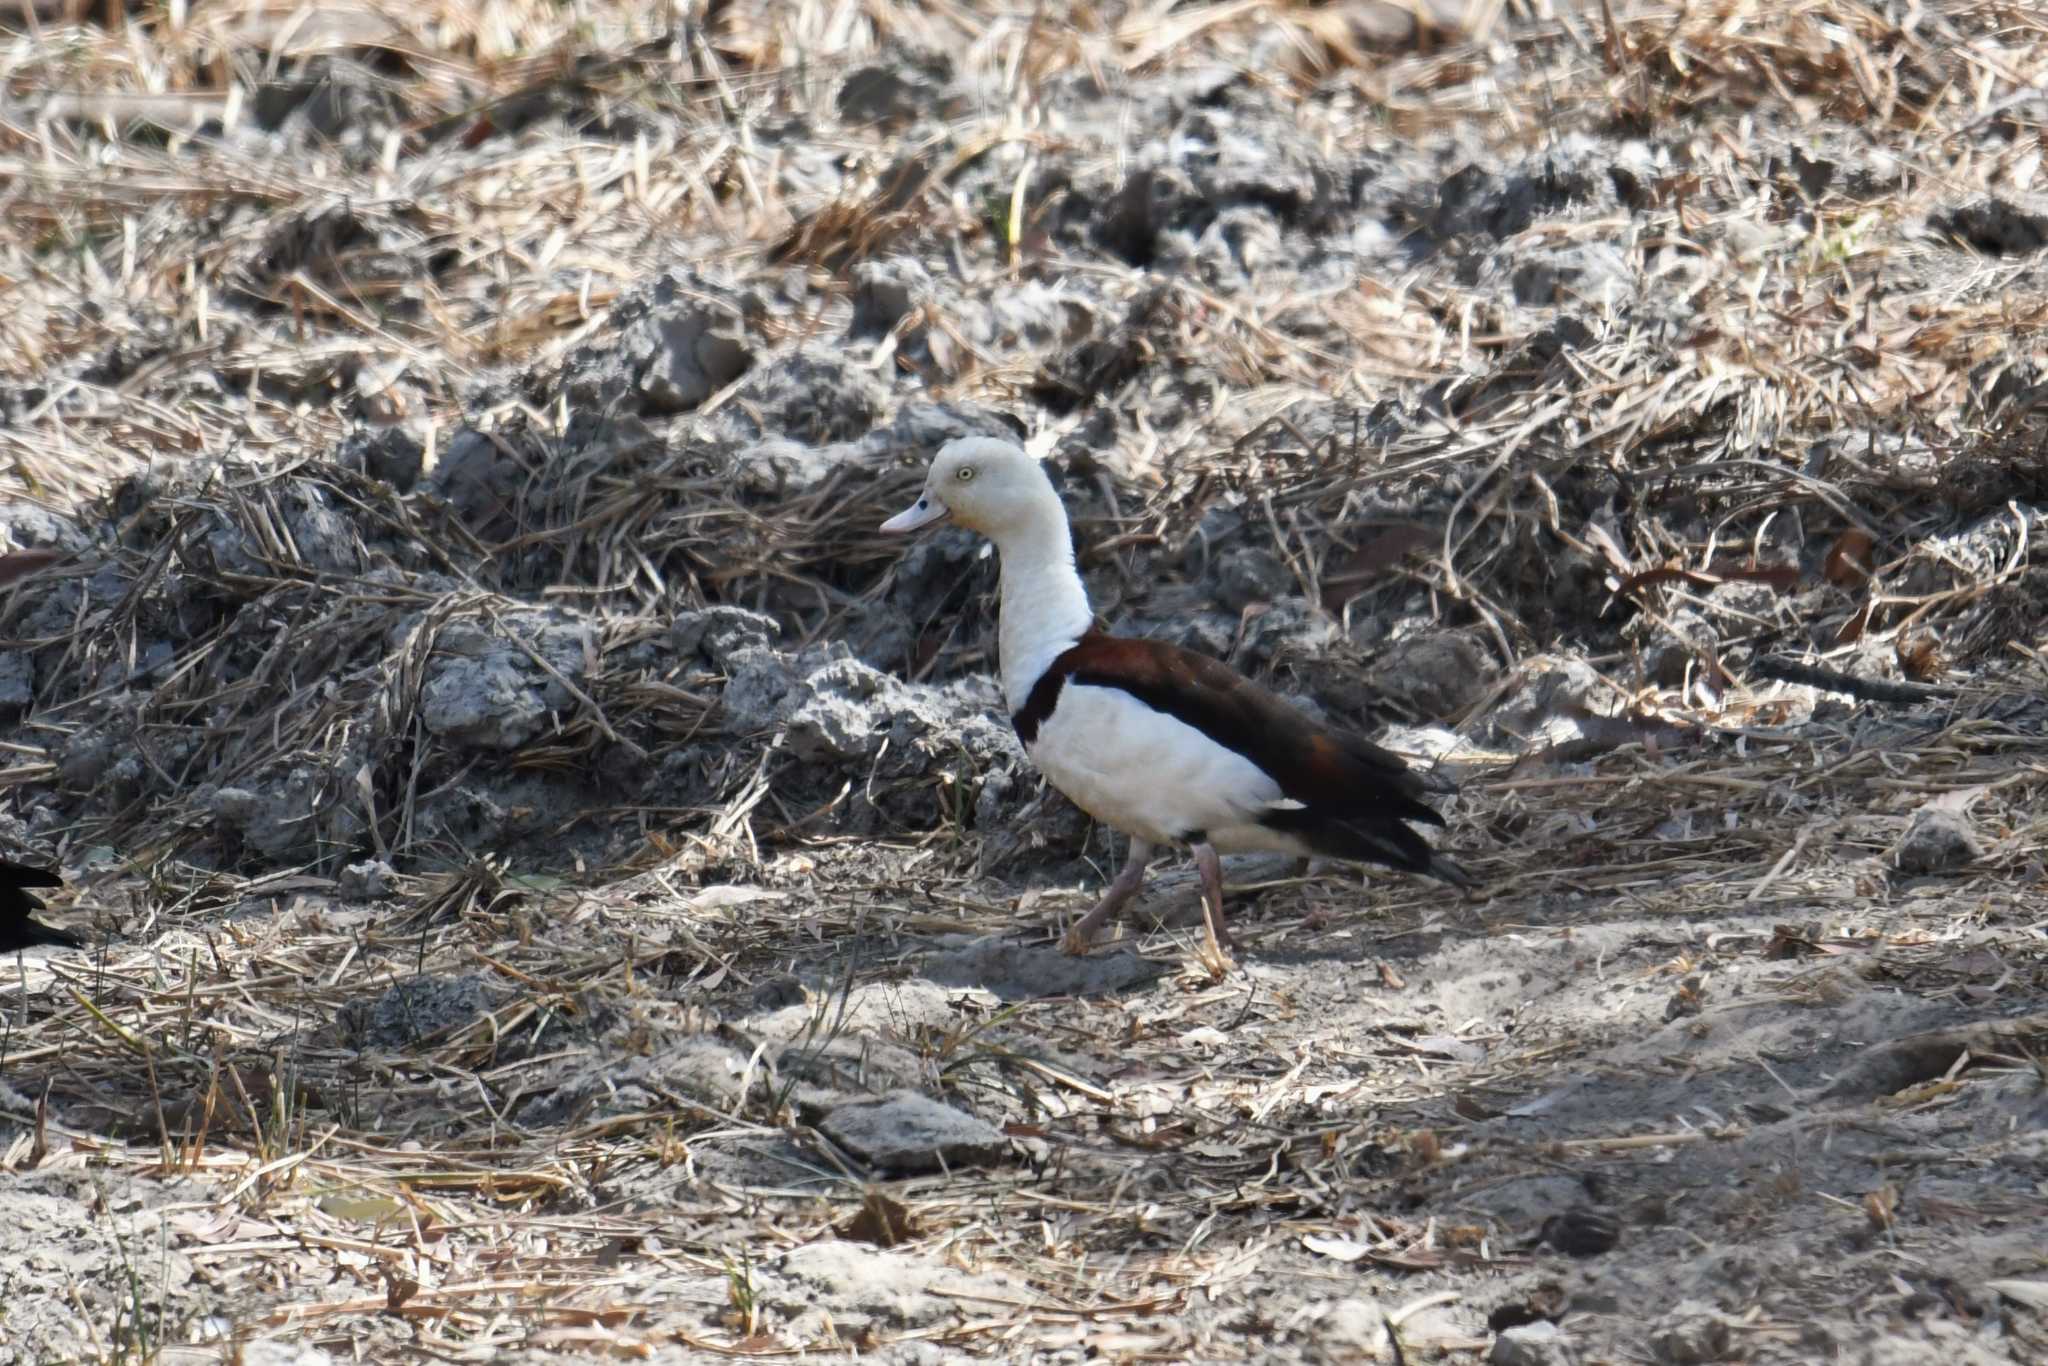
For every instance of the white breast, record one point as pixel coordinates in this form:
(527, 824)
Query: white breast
(1150, 775)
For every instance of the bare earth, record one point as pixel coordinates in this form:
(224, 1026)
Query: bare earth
(562, 888)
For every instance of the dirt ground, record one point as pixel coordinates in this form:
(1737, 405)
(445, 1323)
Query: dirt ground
(561, 887)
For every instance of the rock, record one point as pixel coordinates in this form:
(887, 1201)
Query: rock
(1023, 972)
(1534, 1344)
(780, 467)
(285, 813)
(370, 880)
(479, 480)
(1936, 839)
(815, 397)
(489, 691)
(1552, 687)
(415, 1009)
(907, 1132)
(1690, 1335)
(684, 350)
(610, 1081)
(1353, 1329)
(282, 1354)
(1559, 275)
(857, 1288)
(17, 678)
(1289, 629)
(1245, 574)
(774, 993)
(884, 292)
(1435, 675)
(1992, 227)
(396, 454)
(29, 525)
(886, 95)
(721, 632)
(1588, 1230)
(1672, 651)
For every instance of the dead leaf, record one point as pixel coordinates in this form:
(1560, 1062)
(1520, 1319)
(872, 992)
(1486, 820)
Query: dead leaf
(1848, 560)
(1598, 536)
(1789, 941)
(1373, 557)
(1920, 658)
(16, 564)
(881, 1221)
(1467, 1108)
(2032, 1294)
(1783, 578)
(1853, 629)
(1342, 1249)
(1443, 1046)
(1881, 1206)
(398, 1288)
(360, 1206)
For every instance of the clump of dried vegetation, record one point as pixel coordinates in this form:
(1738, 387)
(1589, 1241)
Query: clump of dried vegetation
(1824, 469)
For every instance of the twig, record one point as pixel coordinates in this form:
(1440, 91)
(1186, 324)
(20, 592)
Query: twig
(1868, 689)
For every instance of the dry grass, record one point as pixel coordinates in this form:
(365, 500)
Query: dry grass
(240, 308)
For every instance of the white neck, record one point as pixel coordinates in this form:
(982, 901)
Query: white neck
(1045, 606)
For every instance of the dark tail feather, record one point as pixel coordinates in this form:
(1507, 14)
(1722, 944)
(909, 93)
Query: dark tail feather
(1445, 870)
(18, 930)
(1384, 840)
(14, 874)
(25, 933)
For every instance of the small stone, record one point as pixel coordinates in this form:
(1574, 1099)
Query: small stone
(1585, 1231)
(1936, 839)
(1672, 651)
(1690, 1335)
(370, 880)
(283, 1354)
(17, 678)
(1552, 688)
(1026, 972)
(885, 291)
(1436, 675)
(396, 454)
(1247, 574)
(883, 95)
(414, 1010)
(1533, 1344)
(907, 1132)
(774, 993)
(1356, 1325)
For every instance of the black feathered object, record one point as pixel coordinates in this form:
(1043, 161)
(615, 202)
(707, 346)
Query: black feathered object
(18, 905)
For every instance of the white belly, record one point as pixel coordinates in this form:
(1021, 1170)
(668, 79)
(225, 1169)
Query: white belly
(1152, 776)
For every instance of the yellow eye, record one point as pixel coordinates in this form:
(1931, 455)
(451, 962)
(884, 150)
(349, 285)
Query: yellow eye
(966, 473)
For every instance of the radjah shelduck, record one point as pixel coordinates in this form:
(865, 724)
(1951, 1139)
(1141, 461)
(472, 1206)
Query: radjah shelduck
(1166, 745)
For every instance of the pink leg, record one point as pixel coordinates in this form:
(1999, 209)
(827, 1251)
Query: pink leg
(1215, 938)
(1125, 886)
